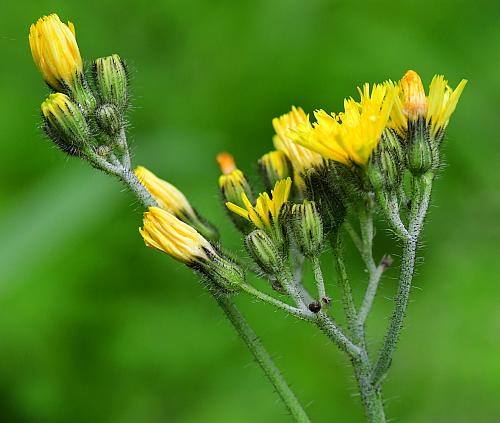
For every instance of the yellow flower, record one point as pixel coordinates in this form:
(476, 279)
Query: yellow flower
(436, 108)
(163, 231)
(55, 51)
(351, 136)
(166, 195)
(300, 157)
(266, 211)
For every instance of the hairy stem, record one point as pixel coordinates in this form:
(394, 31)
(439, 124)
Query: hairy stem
(347, 299)
(262, 356)
(420, 203)
(318, 276)
(300, 313)
(370, 293)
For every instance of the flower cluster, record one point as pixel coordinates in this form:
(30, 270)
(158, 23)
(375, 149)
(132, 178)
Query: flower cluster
(318, 173)
(85, 115)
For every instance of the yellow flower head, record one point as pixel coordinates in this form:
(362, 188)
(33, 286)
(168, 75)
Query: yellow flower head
(277, 162)
(351, 136)
(55, 51)
(166, 195)
(300, 157)
(273, 167)
(436, 108)
(163, 231)
(266, 211)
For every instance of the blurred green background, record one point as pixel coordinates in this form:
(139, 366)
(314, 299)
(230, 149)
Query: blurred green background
(96, 328)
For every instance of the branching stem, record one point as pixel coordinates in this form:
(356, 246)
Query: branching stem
(420, 203)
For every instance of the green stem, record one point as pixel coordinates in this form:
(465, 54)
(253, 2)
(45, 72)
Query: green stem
(265, 361)
(347, 299)
(417, 216)
(370, 293)
(300, 313)
(370, 395)
(318, 276)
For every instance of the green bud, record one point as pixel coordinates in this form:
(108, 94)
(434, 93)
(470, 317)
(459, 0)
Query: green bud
(306, 228)
(273, 167)
(321, 187)
(111, 79)
(264, 252)
(109, 119)
(421, 153)
(65, 123)
(385, 170)
(82, 94)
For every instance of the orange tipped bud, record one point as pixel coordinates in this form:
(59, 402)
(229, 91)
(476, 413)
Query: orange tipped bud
(414, 99)
(226, 162)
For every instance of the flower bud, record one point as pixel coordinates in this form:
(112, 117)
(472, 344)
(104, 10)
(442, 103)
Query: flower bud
(264, 252)
(324, 191)
(385, 169)
(414, 98)
(111, 79)
(109, 119)
(56, 54)
(306, 227)
(173, 200)
(65, 123)
(273, 167)
(232, 184)
(164, 232)
(421, 153)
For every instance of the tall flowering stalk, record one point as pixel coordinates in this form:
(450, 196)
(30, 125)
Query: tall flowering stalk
(326, 179)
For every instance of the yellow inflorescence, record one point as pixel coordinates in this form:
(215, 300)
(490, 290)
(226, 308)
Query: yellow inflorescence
(55, 51)
(56, 104)
(300, 157)
(277, 161)
(412, 103)
(351, 136)
(236, 178)
(442, 102)
(163, 231)
(167, 196)
(266, 211)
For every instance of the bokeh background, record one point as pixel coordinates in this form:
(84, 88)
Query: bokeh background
(96, 328)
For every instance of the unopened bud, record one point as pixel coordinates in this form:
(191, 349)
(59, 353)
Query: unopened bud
(322, 189)
(264, 252)
(109, 119)
(273, 167)
(232, 184)
(385, 170)
(414, 99)
(111, 79)
(65, 123)
(306, 228)
(421, 153)
(163, 231)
